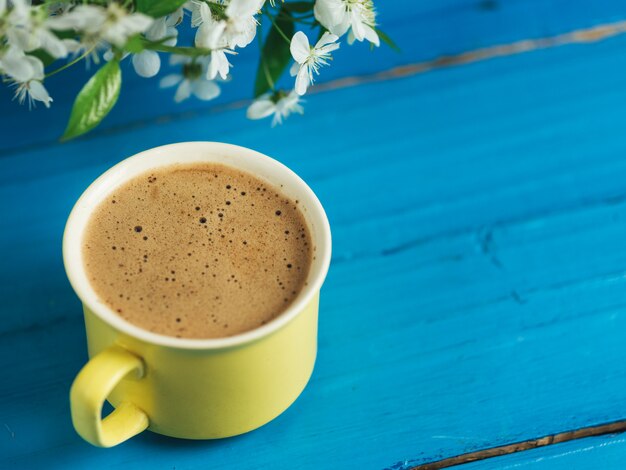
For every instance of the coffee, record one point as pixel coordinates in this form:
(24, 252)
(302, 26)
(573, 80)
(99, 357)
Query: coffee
(197, 251)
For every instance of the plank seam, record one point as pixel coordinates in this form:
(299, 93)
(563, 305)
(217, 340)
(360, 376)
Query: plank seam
(580, 36)
(614, 427)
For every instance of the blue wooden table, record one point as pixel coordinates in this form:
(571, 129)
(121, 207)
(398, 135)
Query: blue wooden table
(476, 187)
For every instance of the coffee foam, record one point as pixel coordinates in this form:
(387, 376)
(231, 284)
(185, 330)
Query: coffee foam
(197, 251)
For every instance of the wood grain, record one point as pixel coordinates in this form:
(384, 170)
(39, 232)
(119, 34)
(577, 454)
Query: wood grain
(477, 293)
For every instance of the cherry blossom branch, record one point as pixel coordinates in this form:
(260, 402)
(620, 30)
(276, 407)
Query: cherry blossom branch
(144, 32)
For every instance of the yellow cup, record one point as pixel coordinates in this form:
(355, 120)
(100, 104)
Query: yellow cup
(192, 388)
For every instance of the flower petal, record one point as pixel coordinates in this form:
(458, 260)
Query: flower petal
(327, 39)
(20, 12)
(302, 80)
(174, 19)
(15, 64)
(218, 65)
(52, 44)
(136, 23)
(216, 35)
(157, 31)
(246, 32)
(172, 33)
(183, 91)
(36, 67)
(23, 39)
(327, 49)
(87, 18)
(38, 92)
(170, 80)
(243, 8)
(146, 63)
(108, 55)
(115, 34)
(293, 71)
(358, 28)
(350, 38)
(205, 12)
(261, 108)
(178, 59)
(203, 35)
(371, 35)
(292, 102)
(72, 45)
(194, 8)
(299, 47)
(213, 68)
(65, 21)
(205, 89)
(332, 15)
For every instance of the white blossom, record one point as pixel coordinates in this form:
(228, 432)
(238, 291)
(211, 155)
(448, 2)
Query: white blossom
(192, 81)
(176, 18)
(148, 63)
(219, 64)
(164, 28)
(309, 59)
(209, 36)
(85, 18)
(280, 105)
(359, 16)
(29, 28)
(241, 24)
(16, 64)
(236, 29)
(29, 84)
(223, 26)
(112, 24)
(194, 8)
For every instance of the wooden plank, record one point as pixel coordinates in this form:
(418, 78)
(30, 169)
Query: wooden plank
(465, 128)
(426, 399)
(478, 217)
(425, 30)
(605, 452)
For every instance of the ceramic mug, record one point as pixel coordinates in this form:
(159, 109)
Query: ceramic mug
(192, 388)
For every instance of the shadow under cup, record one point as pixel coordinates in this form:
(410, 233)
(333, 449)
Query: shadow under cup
(192, 388)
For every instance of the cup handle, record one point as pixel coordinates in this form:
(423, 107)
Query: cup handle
(92, 386)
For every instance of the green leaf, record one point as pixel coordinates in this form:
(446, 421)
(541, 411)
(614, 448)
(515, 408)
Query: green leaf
(158, 8)
(275, 55)
(299, 7)
(387, 40)
(95, 100)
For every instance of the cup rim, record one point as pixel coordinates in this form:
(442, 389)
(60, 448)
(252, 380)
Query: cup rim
(83, 208)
